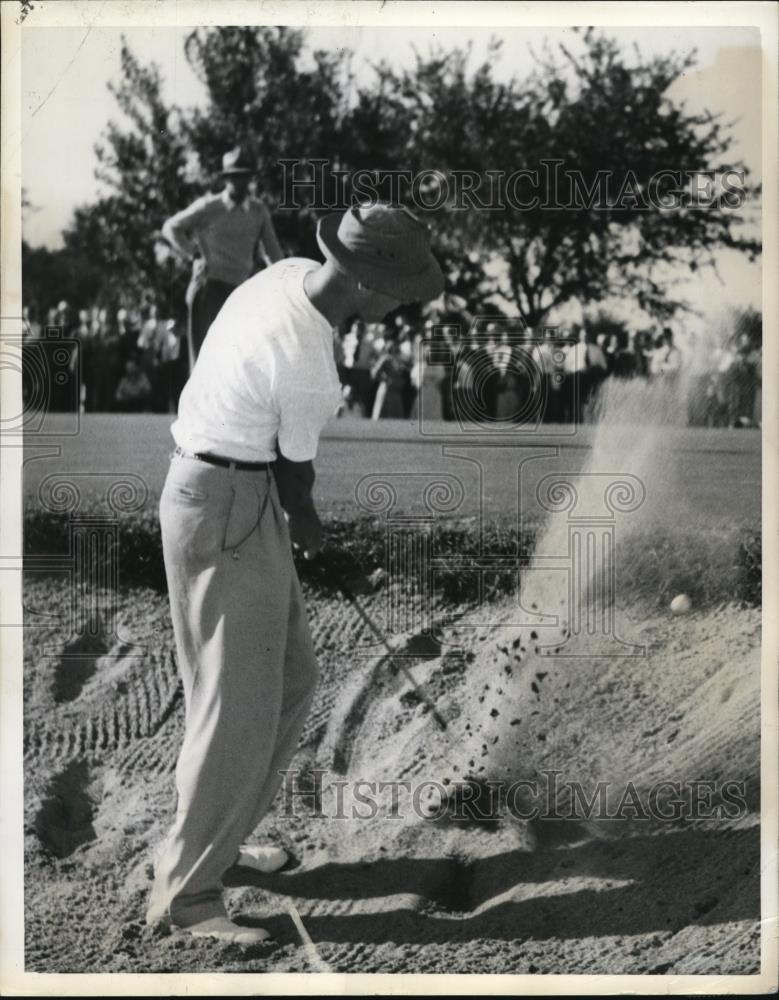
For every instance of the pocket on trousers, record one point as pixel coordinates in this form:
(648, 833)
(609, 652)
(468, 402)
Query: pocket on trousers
(186, 493)
(241, 519)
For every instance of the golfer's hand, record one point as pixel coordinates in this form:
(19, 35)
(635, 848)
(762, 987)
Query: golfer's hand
(305, 530)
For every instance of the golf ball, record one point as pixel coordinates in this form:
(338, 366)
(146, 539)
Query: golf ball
(681, 604)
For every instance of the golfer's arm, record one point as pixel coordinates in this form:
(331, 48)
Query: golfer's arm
(295, 483)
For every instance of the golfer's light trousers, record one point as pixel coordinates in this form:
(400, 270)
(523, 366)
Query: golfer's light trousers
(248, 670)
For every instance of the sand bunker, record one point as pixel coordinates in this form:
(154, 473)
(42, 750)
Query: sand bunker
(591, 807)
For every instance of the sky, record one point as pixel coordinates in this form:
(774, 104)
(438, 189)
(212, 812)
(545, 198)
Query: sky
(66, 102)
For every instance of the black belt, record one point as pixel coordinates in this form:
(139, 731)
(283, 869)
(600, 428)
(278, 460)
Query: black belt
(225, 463)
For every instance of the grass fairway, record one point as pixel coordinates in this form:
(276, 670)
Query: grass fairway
(719, 482)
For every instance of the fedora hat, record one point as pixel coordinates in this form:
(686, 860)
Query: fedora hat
(386, 247)
(235, 162)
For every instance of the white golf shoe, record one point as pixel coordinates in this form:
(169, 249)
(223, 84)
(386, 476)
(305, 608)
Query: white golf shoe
(262, 859)
(222, 929)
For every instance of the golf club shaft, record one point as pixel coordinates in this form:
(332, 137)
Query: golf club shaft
(352, 598)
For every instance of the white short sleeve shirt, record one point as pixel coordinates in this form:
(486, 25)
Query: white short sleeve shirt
(265, 376)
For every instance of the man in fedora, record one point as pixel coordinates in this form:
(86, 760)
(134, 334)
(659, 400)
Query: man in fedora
(237, 499)
(222, 234)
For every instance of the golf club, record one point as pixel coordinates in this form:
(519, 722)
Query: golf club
(353, 600)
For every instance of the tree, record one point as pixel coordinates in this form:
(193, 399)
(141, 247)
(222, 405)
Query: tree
(267, 92)
(48, 276)
(145, 169)
(597, 128)
(258, 96)
(605, 142)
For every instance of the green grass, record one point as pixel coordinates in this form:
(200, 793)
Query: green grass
(720, 468)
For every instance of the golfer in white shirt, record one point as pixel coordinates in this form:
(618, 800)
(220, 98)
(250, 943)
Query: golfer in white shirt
(236, 499)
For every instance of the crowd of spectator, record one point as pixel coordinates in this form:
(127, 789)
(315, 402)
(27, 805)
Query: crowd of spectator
(127, 361)
(132, 360)
(505, 374)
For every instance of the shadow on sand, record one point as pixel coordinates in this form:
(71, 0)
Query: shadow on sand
(677, 878)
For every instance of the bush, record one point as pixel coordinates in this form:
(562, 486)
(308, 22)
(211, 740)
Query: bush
(712, 565)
